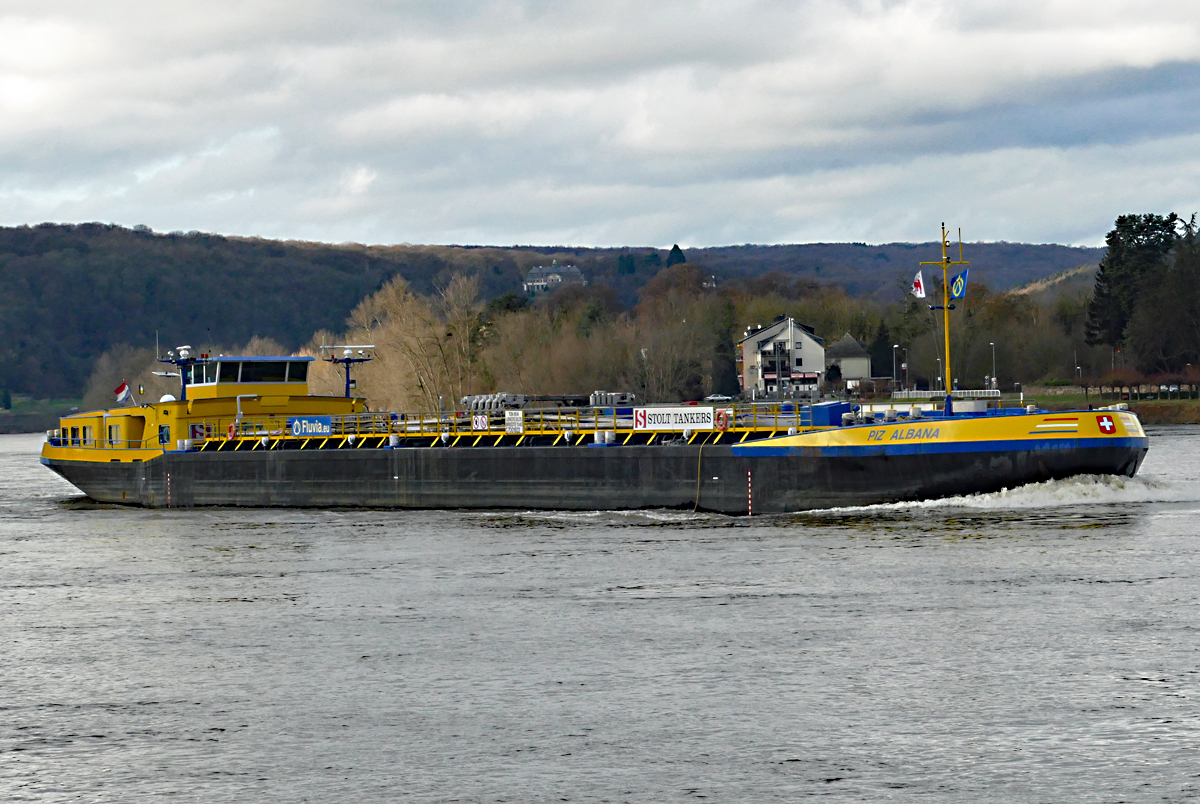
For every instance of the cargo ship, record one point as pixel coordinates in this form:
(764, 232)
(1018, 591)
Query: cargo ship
(247, 432)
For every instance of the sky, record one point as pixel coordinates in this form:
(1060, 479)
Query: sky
(601, 123)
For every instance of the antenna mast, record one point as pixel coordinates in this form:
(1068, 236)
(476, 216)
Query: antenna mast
(348, 359)
(946, 307)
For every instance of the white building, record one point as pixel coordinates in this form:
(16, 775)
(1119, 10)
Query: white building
(780, 359)
(851, 357)
(545, 278)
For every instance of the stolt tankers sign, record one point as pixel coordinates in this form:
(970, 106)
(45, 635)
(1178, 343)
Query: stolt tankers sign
(691, 417)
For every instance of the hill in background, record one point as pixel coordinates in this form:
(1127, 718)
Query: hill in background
(885, 271)
(69, 292)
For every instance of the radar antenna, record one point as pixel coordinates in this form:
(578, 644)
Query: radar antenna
(348, 357)
(182, 357)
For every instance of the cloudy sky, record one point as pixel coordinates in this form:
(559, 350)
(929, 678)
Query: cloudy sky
(601, 123)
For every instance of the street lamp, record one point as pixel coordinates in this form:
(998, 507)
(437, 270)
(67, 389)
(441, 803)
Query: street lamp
(995, 382)
(905, 368)
(894, 348)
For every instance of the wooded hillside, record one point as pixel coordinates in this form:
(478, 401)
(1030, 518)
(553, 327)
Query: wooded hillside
(70, 292)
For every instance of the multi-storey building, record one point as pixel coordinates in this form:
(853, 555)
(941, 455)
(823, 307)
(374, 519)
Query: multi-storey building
(781, 359)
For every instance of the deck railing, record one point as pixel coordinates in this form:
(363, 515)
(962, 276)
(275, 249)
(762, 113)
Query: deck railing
(736, 420)
(772, 417)
(982, 393)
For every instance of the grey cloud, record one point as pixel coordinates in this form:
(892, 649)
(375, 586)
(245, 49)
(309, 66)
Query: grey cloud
(600, 123)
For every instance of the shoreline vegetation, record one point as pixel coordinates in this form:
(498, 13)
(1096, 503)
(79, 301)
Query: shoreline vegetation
(662, 324)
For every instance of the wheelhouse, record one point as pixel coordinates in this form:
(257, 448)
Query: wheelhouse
(208, 378)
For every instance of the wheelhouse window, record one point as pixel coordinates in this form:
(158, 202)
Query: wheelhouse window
(114, 434)
(264, 371)
(200, 373)
(252, 371)
(87, 435)
(228, 371)
(164, 434)
(74, 436)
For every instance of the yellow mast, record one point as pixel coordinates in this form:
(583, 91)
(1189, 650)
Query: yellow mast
(946, 262)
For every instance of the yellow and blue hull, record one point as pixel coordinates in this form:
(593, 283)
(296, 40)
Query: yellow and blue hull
(859, 465)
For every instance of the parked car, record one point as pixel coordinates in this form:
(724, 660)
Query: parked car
(718, 398)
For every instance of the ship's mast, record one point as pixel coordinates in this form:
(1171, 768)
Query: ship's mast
(348, 359)
(946, 307)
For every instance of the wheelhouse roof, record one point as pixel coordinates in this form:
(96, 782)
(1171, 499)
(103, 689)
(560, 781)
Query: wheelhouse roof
(219, 358)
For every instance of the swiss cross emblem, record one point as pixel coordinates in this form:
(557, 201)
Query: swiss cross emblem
(1106, 424)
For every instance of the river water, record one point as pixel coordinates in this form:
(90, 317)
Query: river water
(1037, 646)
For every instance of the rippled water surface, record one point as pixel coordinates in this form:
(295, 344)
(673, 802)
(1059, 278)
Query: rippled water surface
(1041, 645)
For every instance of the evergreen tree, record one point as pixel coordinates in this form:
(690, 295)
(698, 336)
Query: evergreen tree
(676, 256)
(506, 303)
(1137, 246)
(881, 351)
(1164, 329)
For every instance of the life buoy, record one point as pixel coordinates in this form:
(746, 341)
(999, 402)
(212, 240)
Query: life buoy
(722, 420)
(231, 432)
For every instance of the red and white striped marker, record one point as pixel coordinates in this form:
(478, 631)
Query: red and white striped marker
(749, 494)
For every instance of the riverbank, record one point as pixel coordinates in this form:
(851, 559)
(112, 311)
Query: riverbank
(29, 415)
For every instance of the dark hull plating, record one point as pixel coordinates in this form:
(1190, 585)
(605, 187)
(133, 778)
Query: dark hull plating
(711, 478)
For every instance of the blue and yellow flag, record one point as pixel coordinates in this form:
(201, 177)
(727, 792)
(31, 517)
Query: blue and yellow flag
(958, 285)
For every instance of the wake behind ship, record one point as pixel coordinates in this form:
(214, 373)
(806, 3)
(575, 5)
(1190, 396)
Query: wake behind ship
(247, 432)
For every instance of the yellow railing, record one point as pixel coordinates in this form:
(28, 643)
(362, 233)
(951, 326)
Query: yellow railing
(741, 419)
(100, 443)
(753, 418)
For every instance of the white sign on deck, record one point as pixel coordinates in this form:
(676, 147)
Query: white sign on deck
(514, 421)
(692, 417)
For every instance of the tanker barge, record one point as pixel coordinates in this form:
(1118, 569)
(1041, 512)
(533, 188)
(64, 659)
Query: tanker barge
(247, 432)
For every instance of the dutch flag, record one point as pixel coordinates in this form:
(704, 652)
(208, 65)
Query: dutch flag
(123, 393)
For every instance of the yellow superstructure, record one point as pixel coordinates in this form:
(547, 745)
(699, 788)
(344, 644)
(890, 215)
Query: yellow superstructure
(220, 406)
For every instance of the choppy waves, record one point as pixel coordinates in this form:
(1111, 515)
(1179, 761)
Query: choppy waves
(1083, 490)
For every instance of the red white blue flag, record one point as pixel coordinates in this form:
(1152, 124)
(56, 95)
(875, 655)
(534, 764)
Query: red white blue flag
(123, 393)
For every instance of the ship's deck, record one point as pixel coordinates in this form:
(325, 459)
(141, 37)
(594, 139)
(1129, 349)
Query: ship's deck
(601, 426)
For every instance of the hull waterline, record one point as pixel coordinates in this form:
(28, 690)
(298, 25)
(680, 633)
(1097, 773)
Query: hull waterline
(725, 479)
